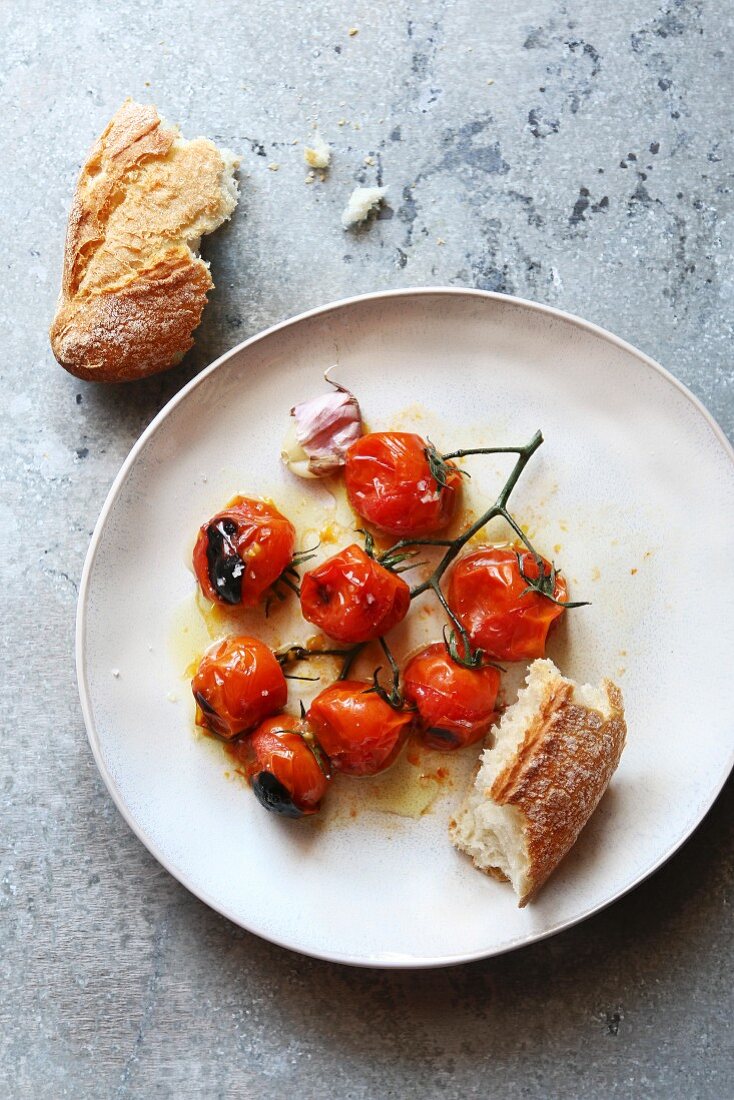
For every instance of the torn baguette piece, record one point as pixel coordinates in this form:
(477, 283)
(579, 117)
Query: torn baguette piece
(362, 201)
(555, 750)
(318, 154)
(133, 286)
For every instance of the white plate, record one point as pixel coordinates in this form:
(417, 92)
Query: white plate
(634, 484)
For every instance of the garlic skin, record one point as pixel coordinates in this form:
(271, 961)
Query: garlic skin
(320, 432)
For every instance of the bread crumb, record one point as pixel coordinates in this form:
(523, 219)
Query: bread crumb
(353, 31)
(273, 167)
(361, 202)
(490, 82)
(342, 122)
(440, 240)
(369, 160)
(318, 154)
(310, 177)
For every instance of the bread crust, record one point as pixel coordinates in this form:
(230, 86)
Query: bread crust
(133, 290)
(560, 773)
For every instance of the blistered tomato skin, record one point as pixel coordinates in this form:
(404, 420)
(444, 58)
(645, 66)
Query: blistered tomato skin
(485, 592)
(352, 598)
(390, 484)
(242, 551)
(237, 684)
(359, 732)
(285, 775)
(455, 705)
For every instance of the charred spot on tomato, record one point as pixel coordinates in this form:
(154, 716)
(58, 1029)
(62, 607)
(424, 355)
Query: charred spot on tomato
(205, 706)
(210, 721)
(271, 794)
(323, 592)
(225, 566)
(445, 737)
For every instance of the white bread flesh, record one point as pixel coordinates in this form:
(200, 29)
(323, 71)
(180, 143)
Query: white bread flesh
(362, 201)
(554, 753)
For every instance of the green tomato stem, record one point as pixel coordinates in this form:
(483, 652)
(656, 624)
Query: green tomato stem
(499, 508)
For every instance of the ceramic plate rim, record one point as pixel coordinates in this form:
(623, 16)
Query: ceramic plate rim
(110, 500)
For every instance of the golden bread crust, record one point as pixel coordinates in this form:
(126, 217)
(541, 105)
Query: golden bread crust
(138, 330)
(560, 773)
(133, 290)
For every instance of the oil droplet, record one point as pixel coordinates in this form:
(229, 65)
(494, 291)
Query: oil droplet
(411, 786)
(405, 792)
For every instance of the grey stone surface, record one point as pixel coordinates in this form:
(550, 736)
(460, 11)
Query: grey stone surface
(592, 174)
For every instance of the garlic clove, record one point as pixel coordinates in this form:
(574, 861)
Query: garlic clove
(293, 453)
(320, 432)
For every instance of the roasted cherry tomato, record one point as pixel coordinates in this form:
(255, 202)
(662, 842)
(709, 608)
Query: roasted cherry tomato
(455, 704)
(391, 485)
(285, 774)
(487, 593)
(242, 551)
(353, 598)
(359, 732)
(238, 683)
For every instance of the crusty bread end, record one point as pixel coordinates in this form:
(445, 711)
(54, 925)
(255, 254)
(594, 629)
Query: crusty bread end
(554, 752)
(133, 286)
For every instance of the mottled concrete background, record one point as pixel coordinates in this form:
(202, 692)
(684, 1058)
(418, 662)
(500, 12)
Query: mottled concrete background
(592, 174)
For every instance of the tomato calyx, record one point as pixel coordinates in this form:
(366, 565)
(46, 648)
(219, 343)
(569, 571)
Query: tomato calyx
(369, 543)
(544, 584)
(289, 654)
(290, 577)
(300, 558)
(400, 562)
(396, 560)
(293, 653)
(392, 696)
(468, 656)
(440, 468)
(305, 732)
